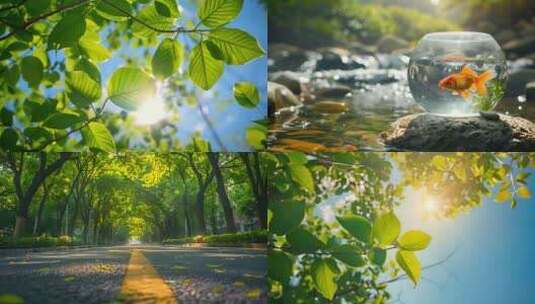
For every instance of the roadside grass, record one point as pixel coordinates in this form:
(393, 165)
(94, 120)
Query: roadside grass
(38, 242)
(223, 239)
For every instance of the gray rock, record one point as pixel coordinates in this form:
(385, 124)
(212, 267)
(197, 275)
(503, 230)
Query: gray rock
(505, 36)
(291, 80)
(335, 91)
(431, 133)
(389, 44)
(337, 59)
(517, 82)
(284, 57)
(520, 47)
(530, 91)
(280, 97)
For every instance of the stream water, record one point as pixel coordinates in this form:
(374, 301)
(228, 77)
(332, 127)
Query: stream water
(380, 95)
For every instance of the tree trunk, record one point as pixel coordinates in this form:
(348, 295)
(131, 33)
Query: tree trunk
(20, 226)
(213, 221)
(188, 220)
(222, 193)
(40, 210)
(258, 185)
(199, 210)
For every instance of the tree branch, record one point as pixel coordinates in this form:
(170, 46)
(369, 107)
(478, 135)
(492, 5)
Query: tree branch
(171, 31)
(32, 21)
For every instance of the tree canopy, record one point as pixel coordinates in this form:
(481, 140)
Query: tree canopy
(103, 198)
(107, 75)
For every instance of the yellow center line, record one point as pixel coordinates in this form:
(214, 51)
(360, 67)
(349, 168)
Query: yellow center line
(142, 284)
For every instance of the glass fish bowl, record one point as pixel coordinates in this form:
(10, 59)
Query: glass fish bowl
(457, 73)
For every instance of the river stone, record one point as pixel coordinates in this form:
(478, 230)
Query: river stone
(521, 46)
(530, 91)
(431, 133)
(389, 44)
(336, 59)
(517, 82)
(329, 107)
(334, 91)
(289, 79)
(280, 97)
(284, 57)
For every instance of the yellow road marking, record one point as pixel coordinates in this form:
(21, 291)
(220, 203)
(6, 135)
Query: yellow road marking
(142, 284)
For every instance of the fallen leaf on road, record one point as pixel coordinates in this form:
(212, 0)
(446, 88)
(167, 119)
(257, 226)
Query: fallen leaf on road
(239, 284)
(179, 267)
(69, 279)
(218, 289)
(254, 294)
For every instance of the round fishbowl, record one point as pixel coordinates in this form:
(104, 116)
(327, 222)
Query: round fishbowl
(457, 73)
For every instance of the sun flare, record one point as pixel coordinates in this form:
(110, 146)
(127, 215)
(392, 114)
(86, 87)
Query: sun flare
(152, 111)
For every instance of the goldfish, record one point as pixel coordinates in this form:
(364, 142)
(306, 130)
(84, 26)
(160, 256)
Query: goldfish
(467, 81)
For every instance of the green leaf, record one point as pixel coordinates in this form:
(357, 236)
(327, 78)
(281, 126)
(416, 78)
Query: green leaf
(348, 254)
(280, 266)
(167, 8)
(114, 11)
(357, 226)
(377, 256)
(246, 94)
(94, 49)
(89, 68)
(524, 192)
(503, 196)
(167, 58)
(237, 46)
(297, 158)
(204, 69)
(149, 15)
(324, 277)
(215, 13)
(62, 121)
(414, 240)
(97, 136)
(130, 87)
(38, 135)
(12, 75)
(286, 217)
(83, 89)
(9, 139)
(409, 263)
(36, 8)
(6, 117)
(38, 111)
(386, 228)
(67, 31)
(32, 70)
(302, 241)
(256, 136)
(302, 176)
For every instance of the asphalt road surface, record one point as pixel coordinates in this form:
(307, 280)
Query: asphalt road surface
(156, 274)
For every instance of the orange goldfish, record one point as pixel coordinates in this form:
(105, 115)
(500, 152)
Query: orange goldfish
(466, 81)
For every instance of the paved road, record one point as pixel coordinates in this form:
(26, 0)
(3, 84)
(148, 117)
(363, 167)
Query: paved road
(97, 275)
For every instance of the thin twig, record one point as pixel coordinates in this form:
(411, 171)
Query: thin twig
(404, 276)
(140, 21)
(210, 125)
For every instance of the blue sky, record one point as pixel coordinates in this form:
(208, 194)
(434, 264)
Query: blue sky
(492, 261)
